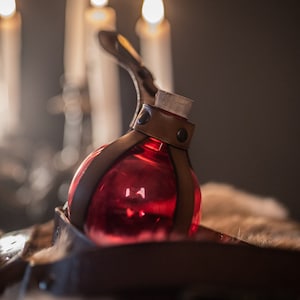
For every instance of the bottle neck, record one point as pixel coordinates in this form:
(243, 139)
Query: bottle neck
(154, 144)
(173, 103)
(164, 126)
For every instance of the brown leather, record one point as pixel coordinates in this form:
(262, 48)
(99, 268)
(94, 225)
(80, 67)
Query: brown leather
(185, 190)
(211, 265)
(79, 241)
(161, 125)
(181, 270)
(164, 126)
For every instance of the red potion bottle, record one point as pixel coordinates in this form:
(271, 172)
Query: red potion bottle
(143, 182)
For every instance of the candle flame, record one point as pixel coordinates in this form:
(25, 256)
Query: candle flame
(7, 8)
(153, 11)
(99, 3)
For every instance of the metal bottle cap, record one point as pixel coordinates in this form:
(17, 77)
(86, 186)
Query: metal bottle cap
(176, 104)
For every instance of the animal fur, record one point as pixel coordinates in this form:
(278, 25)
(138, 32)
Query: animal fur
(262, 221)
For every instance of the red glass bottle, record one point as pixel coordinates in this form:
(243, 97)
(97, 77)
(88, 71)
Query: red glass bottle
(138, 193)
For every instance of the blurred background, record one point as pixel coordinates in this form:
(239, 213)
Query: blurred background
(238, 61)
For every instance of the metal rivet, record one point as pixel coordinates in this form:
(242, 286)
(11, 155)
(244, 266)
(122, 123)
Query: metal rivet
(144, 118)
(182, 135)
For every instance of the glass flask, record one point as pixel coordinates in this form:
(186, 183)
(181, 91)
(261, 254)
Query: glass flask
(137, 193)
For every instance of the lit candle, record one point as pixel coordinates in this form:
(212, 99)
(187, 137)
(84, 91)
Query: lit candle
(154, 32)
(3, 106)
(74, 48)
(102, 75)
(10, 51)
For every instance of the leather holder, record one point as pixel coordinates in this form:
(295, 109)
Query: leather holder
(151, 122)
(165, 126)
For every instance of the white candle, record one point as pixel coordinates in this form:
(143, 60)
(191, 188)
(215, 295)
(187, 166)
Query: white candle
(154, 32)
(3, 106)
(102, 74)
(74, 49)
(10, 44)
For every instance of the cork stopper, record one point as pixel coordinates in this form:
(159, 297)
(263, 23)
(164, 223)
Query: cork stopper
(176, 104)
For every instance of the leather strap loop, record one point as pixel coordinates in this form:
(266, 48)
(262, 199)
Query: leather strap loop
(167, 127)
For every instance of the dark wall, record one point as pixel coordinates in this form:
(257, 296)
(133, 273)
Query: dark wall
(239, 61)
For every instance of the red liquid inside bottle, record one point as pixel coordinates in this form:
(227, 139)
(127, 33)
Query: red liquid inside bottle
(136, 196)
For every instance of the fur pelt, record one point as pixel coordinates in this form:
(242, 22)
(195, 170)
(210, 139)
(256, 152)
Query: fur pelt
(262, 221)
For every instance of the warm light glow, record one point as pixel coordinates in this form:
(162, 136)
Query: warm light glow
(153, 11)
(99, 3)
(7, 8)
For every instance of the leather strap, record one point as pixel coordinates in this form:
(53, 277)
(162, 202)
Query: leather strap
(176, 132)
(172, 268)
(95, 171)
(185, 190)
(164, 126)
